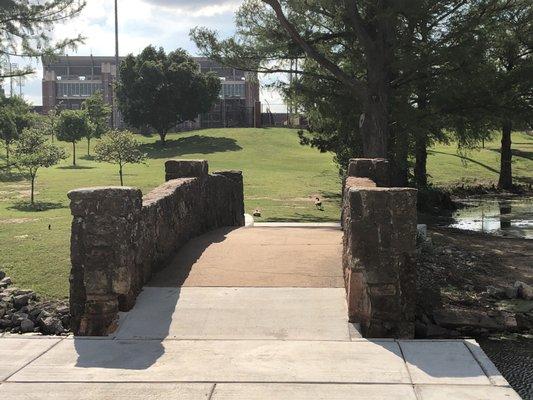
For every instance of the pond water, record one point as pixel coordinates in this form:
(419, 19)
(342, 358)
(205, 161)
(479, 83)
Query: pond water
(511, 217)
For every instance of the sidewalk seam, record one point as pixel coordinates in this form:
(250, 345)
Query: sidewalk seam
(33, 359)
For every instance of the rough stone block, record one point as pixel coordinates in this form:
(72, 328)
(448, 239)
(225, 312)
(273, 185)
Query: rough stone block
(175, 169)
(379, 259)
(119, 239)
(376, 169)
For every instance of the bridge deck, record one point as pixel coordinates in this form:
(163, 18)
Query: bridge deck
(255, 314)
(258, 257)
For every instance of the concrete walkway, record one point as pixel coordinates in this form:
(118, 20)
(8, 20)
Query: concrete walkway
(258, 314)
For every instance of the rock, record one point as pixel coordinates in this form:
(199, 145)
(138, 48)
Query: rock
(63, 309)
(435, 332)
(2, 275)
(5, 323)
(524, 321)
(26, 326)
(22, 300)
(461, 318)
(51, 326)
(5, 282)
(524, 291)
(497, 293)
(18, 317)
(421, 330)
(511, 293)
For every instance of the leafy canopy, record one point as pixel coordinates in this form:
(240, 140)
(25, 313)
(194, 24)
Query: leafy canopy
(162, 90)
(26, 30)
(119, 147)
(33, 151)
(72, 126)
(98, 112)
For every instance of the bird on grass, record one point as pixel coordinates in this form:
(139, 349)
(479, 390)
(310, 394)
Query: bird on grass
(318, 204)
(257, 212)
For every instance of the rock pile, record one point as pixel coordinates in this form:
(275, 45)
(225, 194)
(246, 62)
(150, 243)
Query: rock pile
(22, 312)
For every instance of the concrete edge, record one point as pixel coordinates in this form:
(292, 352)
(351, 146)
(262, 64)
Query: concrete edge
(335, 225)
(488, 367)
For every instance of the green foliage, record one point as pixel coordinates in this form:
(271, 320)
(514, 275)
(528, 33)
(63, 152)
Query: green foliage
(419, 70)
(99, 113)
(162, 90)
(26, 29)
(72, 126)
(32, 151)
(14, 118)
(119, 147)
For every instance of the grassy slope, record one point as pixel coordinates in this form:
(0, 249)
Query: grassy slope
(480, 166)
(280, 176)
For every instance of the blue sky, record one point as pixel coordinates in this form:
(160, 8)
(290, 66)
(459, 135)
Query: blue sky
(163, 23)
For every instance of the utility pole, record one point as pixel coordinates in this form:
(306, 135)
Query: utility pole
(115, 103)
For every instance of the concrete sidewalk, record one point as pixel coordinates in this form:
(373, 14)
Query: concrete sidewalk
(251, 314)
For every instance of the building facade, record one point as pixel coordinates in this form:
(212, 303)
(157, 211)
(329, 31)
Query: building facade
(69, 80)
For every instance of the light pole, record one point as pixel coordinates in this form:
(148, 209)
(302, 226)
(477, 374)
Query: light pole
(115, 102)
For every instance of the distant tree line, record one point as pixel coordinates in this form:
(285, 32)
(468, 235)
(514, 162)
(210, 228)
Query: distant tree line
(390, 78)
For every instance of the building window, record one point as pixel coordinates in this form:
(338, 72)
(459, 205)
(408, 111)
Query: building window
(82, 89)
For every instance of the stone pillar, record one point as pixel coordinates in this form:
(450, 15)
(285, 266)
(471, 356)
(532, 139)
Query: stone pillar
(258, 123)
(103, 275)
(237, 200)
(379, 259)
(376, 169)
(175, 169)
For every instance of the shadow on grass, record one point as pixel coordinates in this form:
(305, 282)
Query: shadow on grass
(464, 158)
(76, 167)
(197, 144)
(10, 176)
(299, 217)
(334, 197)
(518, 153)
(88, 158)
(38, 206)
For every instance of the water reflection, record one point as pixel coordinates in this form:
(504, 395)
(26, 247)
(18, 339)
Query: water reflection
(507, 217)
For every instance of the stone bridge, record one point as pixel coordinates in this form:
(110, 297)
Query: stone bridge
(181, 300)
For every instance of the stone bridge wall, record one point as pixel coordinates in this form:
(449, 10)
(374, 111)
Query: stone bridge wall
(379, 259)
(119, 239)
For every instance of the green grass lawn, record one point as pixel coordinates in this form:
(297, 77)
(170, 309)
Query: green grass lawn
(480, 166)
(280, 176)
(281, 179)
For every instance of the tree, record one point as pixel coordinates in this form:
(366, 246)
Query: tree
(26, 30)
(99, 113)
(511, 97)
(33, 151)
(381, 62)
(159, 90)
(14, 118)
(72, 126)
(121, 148)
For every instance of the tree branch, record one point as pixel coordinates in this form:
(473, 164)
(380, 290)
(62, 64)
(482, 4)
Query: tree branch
(358, 87)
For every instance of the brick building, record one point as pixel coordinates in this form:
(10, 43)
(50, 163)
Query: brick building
(69, 80)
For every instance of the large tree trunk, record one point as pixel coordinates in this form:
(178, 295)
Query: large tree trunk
(421, 155)
(398, 158)
(74, 153)
(88, 147)
(163, 136)
(375, 121)
(506, 173)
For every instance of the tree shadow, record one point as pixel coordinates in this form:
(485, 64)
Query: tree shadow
(10, 176)
(197, 144)
(76, 167)
(37, 207)
(464, 158)
(300, 217)
(518, 153)
(88, 158)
